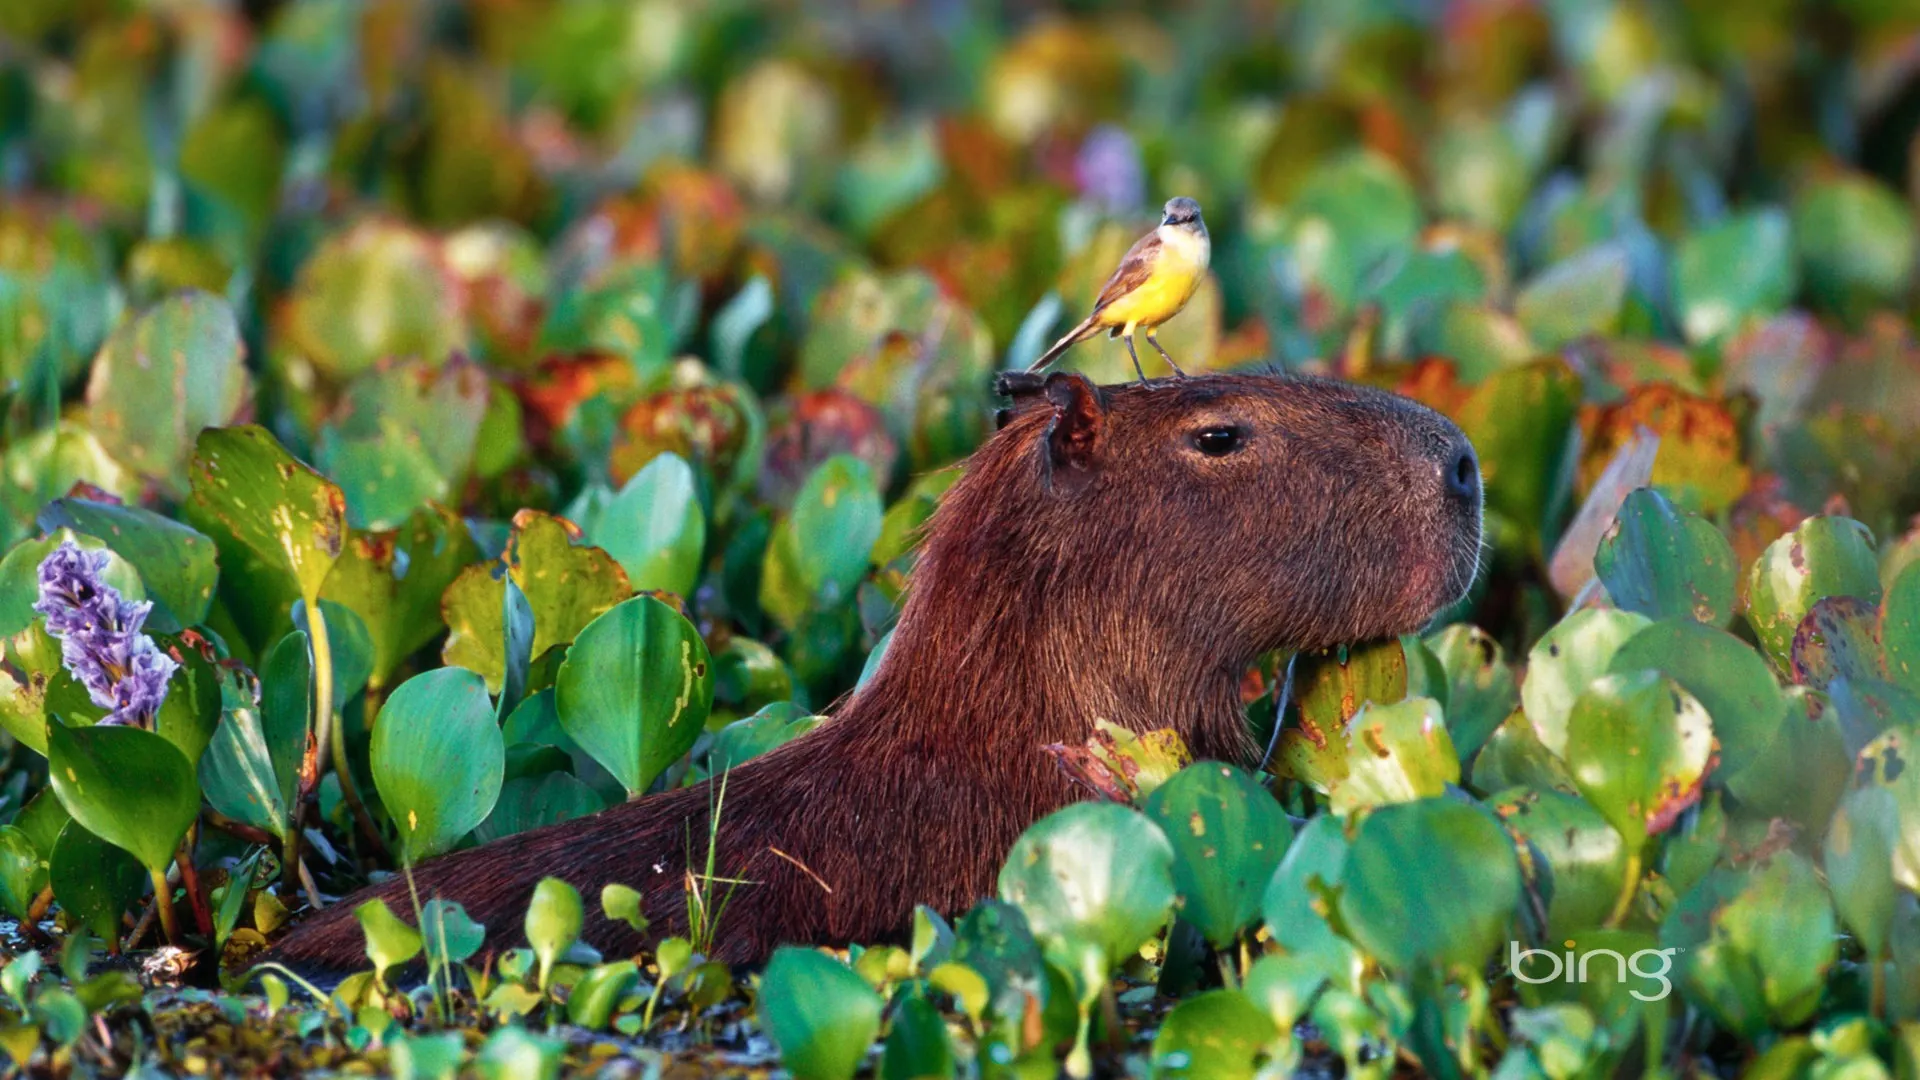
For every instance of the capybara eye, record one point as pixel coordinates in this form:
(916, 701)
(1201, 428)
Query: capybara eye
(1218, 441)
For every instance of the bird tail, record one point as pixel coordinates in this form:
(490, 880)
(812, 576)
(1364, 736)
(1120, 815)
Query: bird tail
(1087, 328)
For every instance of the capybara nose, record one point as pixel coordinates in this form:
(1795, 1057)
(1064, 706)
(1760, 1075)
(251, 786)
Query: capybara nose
(1461, 470)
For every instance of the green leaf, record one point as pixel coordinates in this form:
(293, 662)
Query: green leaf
(1664, 563)
(437, 759)
(394, 582)
(1519, 421)
(247, 773)
(130, 787)
(1861, 842)
(93, 880)
(1565, 661)
(1351, 215)
(624, 903)
(1430, 882)
(553, 923)
(374, 291)
(1802, 769)
(1228, 834)
(449, 936)
(1821, 557)
(510, 1053)
(747, 738)
(1331, 687)
(635, 690)
(1724, 673)
(1575, 298)
(1480, 689)
(1856, 244)
(1900, 628)
(1638, 748)
(566, 587)
(917, 1044)
(1733, 273)
(591, 1002)
(1396, 753)
(390, 942)
(821, 551)
(1095, 881)
(1761, 955)
(23, 872)
(163, 377)
(176, 563)
(821, 1015)
(278, 509)
(655, 527)
(1586, 858)
(529, 802)
(1218, 1035)
(1304, 895)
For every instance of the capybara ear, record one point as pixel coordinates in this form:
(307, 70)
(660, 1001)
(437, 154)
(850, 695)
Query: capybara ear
(1077, 433)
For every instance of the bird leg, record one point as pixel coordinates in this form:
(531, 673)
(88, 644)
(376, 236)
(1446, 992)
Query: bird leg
(1153, 337)
(1137, 369)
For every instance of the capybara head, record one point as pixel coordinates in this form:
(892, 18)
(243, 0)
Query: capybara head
(1255, 511)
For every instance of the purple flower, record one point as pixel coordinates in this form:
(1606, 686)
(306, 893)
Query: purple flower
(1109, 172)
(101, 642)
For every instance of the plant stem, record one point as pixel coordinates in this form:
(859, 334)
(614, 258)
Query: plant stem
(1878, 996)
(163, 903)
(332, 735)
(238, 829)
(1228, 977)
(291, 976)
(1631, 886)
(190, 881)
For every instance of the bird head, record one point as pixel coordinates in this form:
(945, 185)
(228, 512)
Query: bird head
(1181, 211)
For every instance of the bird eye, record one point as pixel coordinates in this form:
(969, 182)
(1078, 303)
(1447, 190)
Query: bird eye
(1218, 441)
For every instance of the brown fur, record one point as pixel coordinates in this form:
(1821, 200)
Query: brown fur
(1089, 564)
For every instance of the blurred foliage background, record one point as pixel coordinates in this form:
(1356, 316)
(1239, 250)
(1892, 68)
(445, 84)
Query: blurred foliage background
(690, 274)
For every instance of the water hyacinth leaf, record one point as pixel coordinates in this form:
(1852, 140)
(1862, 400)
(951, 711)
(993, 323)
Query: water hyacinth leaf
(819, 554)
(749, 737)
(1861, 842)
(1519, 421)
(94, 880)
(1584, 854)
(1304, 894)
(238, 772)
(1802, 770)
(1761, 954)
(437, 759)
(821, 1015)
(352, 646)
(23, 871)
(1228, 834)
(1856, 243)
(635, 690)
(511, 1053)
(1638, 747)
(390, 942)
(1565, 661)
(175, 562)
(995, 954)
(32, 664)
(553, 923)
(655, 527)
(1216, 1034)
(161, 378)
(1331, 687)
(1733, 273)
(1900, 628)
(1724, 673)
(1095, 881)
(129, 787)
(917, 1044)
(394, 582)
(593, 999)
(1839, 638)
(377, 290)
(1350, 216)
(1864, 708)
(1432, 882)
(1575, 298)
(567, 586)
(1396, 753)
(1821, 557)
(529, 802)
(1480, 688)
(279, 510)
(1664, 563)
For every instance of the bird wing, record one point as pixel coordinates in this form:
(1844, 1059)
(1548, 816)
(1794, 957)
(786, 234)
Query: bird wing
(1134, 270)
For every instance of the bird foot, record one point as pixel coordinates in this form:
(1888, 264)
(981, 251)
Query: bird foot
(1014, 384)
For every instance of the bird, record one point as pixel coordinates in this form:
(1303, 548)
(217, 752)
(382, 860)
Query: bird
(1154, 282)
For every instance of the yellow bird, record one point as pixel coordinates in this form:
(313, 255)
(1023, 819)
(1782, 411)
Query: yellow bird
(1154, 282)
